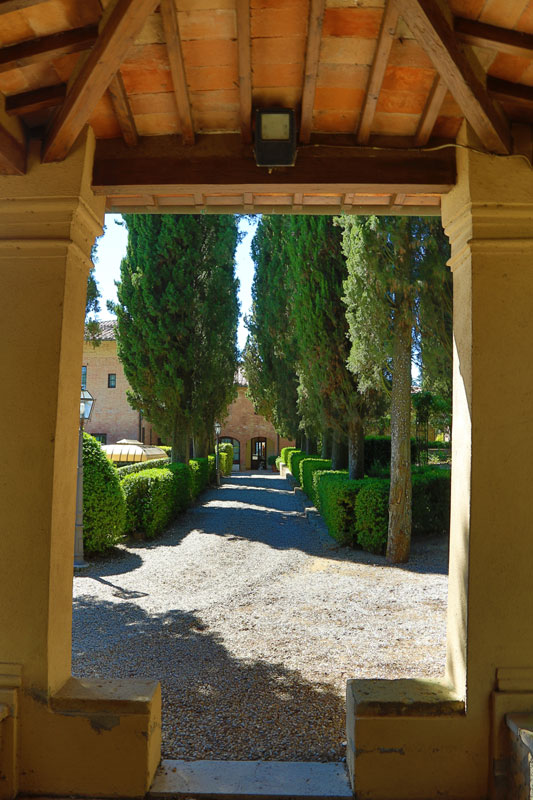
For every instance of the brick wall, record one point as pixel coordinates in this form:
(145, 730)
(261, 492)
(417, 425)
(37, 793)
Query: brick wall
(244, 425)
(112, 413)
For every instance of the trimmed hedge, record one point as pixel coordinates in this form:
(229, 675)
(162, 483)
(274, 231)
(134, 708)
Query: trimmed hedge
(212, 471)
(357, 511)
(183, 480)
(225, 456)
(166, 448)
(150, 500)
(296, 459)
(104, 507)
(308, 466)
(199, 468)
(278, 461)
(336, 497)
(291, 455)
(285, 454)
(371, 515)
(140, 466)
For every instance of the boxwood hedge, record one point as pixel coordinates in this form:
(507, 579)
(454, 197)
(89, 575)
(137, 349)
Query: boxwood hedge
(104, 507)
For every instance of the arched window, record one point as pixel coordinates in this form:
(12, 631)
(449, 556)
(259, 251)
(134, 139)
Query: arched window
(236, 448)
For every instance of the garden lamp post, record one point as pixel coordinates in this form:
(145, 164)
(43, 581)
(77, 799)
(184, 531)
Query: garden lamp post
(86, 406)
(218, 428)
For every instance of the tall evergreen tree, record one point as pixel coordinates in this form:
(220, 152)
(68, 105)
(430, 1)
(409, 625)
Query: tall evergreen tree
(395, 272)
(177, 318)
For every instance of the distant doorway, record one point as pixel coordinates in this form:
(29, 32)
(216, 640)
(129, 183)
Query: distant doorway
(259, 452)
(236, 451)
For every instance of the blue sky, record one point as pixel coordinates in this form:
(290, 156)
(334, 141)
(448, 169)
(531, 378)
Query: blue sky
(111, 249)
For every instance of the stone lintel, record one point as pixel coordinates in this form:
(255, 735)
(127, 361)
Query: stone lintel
(403, 697)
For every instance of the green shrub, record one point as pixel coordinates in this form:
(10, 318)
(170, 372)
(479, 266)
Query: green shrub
(225, 456)
(140, 466)
(150, 500)
(308, 466)
(211, 460)
(166, 448)
(285, 454)
(278, 461)
(104, 507)
(290, 460)
(199, 468)
(336, 497)
(271, 460)
(182, 481)
(371, 512)
(431, 500)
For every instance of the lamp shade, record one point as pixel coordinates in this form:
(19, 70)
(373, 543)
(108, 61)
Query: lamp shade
(218, 428)
(86, 405)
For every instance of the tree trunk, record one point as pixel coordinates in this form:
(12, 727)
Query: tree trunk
(312, 445)
(339, 451)
(356, 449)
(399, 534)
(180, 444)
(326, 444)
(306, 445)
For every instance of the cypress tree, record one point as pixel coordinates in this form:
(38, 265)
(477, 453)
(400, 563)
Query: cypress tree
(396, 269)
(177, 317)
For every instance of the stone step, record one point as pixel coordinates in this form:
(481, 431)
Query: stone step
(251, 780)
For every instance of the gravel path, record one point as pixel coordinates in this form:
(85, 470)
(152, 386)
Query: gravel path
(252, 624)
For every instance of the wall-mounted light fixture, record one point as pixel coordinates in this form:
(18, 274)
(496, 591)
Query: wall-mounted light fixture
(275, 137)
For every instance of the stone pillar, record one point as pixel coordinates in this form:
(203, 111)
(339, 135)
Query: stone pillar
(412, 739)
(62, 736)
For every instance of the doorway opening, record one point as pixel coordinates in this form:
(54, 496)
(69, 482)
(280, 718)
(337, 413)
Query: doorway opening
(259, 452)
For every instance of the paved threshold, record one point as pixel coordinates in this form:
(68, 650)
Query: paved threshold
(252, 780)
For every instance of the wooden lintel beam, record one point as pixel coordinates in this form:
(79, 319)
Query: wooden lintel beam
(314, 37)
(431, 111)
(377, 71)
(505, 90)
(122, 109)
(166, 167)
(7, 6)
(46, 47)
(512, 43)
(17, 105)
(123, 24)
(12, 154)
(169, 18)
(428, 23)
(245, 68)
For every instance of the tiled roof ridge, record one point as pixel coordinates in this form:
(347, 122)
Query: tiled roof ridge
(106, 330)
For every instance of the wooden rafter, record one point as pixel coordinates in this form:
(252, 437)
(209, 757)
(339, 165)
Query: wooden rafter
(17, 105)
(431, 111)
(7, 6)
(512, 43)
(46, 47)
(245, 68)
(436, 36)
(314, 36)
(377, 71)
(515, 92)
(123, 24)
(177, 69)
(121, 107)
(12, 154)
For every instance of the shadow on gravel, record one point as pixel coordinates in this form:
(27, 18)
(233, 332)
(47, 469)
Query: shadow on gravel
(214, 705)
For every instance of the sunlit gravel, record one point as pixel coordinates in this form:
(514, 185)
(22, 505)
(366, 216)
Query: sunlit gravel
(253, 623)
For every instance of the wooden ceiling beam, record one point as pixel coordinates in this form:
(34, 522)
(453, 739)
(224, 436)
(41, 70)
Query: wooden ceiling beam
(435, 35)
(219, 163)
(431, 111)
(17, 105)
(177, 69)
(46, 47)
(124, 23)
(515, 92)
(122, 109)
(7, 6)
(377, 71)
(245, 68)
(314, 37)
(512, 43)
(12, 154)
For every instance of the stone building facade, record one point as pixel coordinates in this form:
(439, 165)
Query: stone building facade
(253, 437)
(103, 376)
